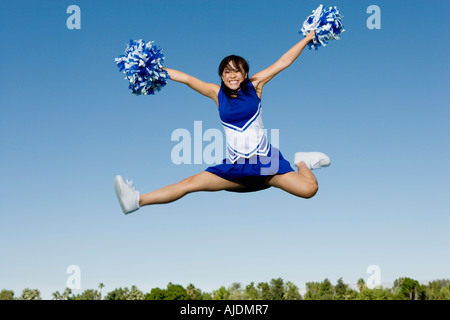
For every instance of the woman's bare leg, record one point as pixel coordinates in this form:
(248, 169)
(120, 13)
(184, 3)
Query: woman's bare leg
(203, 181)
(302, 184)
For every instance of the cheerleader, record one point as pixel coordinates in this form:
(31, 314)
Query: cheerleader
(251, 162)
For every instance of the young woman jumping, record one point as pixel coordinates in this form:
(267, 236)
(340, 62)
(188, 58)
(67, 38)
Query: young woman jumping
(252, 163)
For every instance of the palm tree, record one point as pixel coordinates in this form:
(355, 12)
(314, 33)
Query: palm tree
(361, 284)
(100, 287)
(56, 295)
(191, 291)
(66, 294)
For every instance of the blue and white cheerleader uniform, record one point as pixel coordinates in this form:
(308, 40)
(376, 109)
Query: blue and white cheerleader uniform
(251, 159)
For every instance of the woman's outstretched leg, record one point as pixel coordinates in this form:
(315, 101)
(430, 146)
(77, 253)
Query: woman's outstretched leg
(203, 181)
(302, 184)
(131, 200)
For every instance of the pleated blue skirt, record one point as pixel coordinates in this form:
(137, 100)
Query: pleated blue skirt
(254, 171)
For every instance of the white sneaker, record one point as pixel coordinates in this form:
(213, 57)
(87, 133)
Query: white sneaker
(313, 160)
(126, 194)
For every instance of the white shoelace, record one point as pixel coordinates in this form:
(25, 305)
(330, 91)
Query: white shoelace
(130, 184)
(135, 192)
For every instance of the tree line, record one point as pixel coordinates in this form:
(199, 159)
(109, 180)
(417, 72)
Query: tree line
(277, 289)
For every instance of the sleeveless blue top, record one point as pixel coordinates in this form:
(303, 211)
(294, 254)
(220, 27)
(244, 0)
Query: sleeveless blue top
(239, 110)
(253, 159)
(242, 122)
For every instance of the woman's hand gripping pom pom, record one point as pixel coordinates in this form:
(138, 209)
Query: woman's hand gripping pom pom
(327, 25)
(142, 65)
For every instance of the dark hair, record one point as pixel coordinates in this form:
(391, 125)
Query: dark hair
(241, 64)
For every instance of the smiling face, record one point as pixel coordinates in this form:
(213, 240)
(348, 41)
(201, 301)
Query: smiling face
(233, 75)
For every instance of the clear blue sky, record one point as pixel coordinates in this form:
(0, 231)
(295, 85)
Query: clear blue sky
(376, 101)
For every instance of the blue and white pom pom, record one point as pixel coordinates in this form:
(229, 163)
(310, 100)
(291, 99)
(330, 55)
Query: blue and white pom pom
(327, 25)
(142, 65)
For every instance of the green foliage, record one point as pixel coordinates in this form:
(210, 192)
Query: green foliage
(176, 292)
(118, 294)
(193, 292)
(221, 294)
(312, 291)
(326, 290)
(351, 294)
(156, 294)
(135, 294)
(251, 292)
(403, 289)
(409, 289)
(236, 292)
(276, 289)
(30, 294)
(206, 296)
(438, 290)
(376, 294)
(100, 287)
(361, 284)
(7, 295)
(319, 290)
(264, 291)
(342, 291)
(125, 294)
(292, 292)
(88, 294)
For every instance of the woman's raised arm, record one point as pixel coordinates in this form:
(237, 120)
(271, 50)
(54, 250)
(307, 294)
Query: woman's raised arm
(264, 76)
(210, 90)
